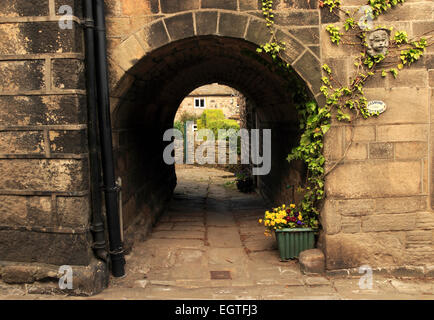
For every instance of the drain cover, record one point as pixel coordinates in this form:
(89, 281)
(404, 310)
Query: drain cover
(220, 275)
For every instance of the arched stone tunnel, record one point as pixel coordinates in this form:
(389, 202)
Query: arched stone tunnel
(148, 107)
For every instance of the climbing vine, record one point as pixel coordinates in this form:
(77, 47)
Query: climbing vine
(346, 102)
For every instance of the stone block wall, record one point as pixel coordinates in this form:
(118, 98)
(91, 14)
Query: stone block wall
(227, 104)
(379, 200)
(44, 187)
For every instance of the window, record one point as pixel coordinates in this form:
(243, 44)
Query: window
(199, 102)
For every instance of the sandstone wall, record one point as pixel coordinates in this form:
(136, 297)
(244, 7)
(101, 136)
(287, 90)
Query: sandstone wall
(227, 104)
(44, 190)
(379, 200)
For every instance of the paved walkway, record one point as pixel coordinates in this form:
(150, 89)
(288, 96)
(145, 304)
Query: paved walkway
(211, 231)
(211, 227)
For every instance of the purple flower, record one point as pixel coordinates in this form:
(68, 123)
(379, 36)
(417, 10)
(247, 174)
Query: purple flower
(299, 222)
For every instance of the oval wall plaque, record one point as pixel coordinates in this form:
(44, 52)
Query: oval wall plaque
(376, 106)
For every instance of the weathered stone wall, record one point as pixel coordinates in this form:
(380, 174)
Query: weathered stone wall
(215, 96)
(44, 190)
(379, 208)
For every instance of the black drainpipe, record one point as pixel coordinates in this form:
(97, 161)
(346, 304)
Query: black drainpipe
(102, 90)
(99, 244)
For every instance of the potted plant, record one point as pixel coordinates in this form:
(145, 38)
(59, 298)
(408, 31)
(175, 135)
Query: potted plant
(294, 232)
(244, 181)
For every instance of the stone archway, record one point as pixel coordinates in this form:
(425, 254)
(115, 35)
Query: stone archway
(162, 31)
(158, 65)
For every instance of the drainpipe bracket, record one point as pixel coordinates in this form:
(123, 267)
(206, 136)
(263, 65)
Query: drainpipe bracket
(97, 227)
(117, 251)
(98, 245)
(118, 257)
(88, 23)
(114, 189)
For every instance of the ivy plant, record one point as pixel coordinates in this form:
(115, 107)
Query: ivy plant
(348, 101)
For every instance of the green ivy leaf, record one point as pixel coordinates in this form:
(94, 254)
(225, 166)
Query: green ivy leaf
(394, 72)
(325, 128)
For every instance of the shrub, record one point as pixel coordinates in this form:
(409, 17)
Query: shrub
(214, 120)
(184, 117)
(179, 125)
(187, 116)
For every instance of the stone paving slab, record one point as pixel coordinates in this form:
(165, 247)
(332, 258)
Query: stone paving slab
(266, 258)
(186, 212)
(163, 226)
(415, 287)
(316, 281)
(227, 256)
(180, 218)
(260, 244)
(250, 224)
(224, 237)
(174, 234)
(188, 227)
(220, 220)
(185, 243)
(257, 231)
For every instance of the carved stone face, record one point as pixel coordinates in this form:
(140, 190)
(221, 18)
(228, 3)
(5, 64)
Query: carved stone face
(378, 42)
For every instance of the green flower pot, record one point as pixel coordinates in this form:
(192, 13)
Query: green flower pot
(291, 242)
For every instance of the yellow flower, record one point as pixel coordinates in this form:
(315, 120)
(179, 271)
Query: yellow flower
(292, 205)
(260, 220)
(300, 217)
(283, 206)
(273, 223)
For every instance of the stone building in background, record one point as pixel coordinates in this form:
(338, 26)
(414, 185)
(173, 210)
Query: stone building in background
(379, 200)
(213, 96)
